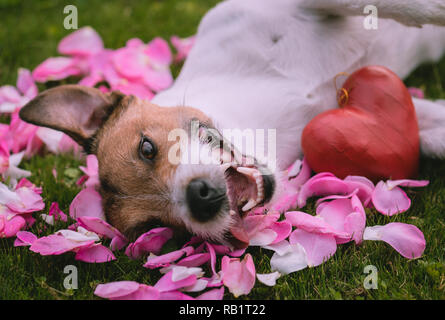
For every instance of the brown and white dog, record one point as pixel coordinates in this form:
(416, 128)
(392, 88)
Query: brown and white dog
(256, 65)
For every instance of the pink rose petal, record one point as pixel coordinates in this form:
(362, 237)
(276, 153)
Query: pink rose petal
(24, 238)
(288, 258)
(26, 84)
(321, 184)
(238, 276)
(319, 247)
(83, 42)
(96, 253)
(57, 68)
(12, 226)
(165, 260)
(87, 203)
(158, 51)
(406, 239)
(149, 242)
(126, 290)
(55, 211)
(56, 244)
(390, 201)
(194, 260)
(166, 283)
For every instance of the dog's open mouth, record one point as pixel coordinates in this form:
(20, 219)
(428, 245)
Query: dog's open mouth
(248, 186)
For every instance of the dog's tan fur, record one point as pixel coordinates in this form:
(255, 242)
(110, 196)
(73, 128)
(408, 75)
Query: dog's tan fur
(135, 192)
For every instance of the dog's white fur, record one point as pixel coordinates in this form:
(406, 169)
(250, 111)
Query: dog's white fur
(271, 64)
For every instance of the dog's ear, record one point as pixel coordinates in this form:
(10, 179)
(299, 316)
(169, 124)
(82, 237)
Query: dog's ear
(76, 110)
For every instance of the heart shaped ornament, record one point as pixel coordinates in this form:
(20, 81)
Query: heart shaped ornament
(374, 133)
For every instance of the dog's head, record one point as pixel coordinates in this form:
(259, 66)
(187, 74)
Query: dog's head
(148, 169)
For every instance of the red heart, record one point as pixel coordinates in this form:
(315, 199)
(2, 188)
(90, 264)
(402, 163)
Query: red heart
(374, 134)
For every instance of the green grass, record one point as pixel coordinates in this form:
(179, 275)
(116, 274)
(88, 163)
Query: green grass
(29, 33)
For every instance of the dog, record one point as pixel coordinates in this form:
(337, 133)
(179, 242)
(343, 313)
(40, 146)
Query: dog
(256, 65)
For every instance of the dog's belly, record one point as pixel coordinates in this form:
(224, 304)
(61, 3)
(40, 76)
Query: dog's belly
(272, 68)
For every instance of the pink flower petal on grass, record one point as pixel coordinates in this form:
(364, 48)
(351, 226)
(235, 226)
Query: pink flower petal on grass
(26, 84)
(286, 202)
(238, 276)
(364, 187)
(416, 92)
(406, 239)
(165, 260)
(57, 68)
(144, 292)
(126, 290)
(407, 183)
(269, 279)
(319, 247)
(225, 250)
(314, 224)
(24, 238)
(158, 52)
(166, 283)
(215, 294)
(355, 222)
(149, 242)
(390, 201)
(102, 228)
(346, 216)
(116, 289)
(96, 253)
(22, 200)
(134, 88)
(83, 42)
(288, 258)
(56, 244)
(87, 203)
(194, 260)
(182, 46)
(12, 226)
(321, 184)
(58, 214)
(263, 237)
(158, 80)
(92, 171)
(99, 226)
(174, 295)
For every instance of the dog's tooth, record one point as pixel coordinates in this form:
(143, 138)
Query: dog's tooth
(238, 157)
(249, 205)
(226, 157)
(232, 212)
(225, 166)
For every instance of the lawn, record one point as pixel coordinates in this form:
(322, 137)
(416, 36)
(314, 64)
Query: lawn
(30, 32)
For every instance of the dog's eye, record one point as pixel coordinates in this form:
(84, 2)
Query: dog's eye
(147, 149)
(208, 136)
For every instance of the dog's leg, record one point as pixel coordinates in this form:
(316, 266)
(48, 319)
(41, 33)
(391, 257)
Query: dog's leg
(431, 119)
(411, 13)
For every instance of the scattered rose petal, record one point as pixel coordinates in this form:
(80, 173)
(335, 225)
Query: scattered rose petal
(406, 239)
(238, 276)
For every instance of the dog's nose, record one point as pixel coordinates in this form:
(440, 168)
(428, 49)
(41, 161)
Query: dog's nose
(204, 200)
